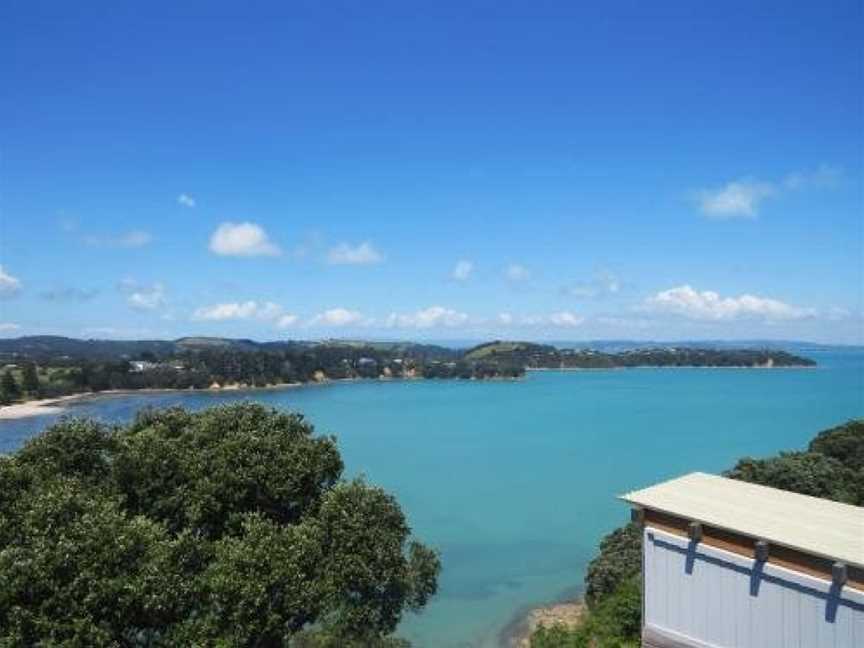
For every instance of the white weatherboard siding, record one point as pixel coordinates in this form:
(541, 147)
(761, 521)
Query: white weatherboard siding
(702, 596)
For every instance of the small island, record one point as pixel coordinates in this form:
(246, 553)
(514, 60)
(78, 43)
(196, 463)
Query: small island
(51, 367)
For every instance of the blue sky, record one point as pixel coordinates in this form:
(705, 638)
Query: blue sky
(540, 170)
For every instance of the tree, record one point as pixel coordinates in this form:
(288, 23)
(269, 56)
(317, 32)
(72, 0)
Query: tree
(620, 558)
(845, 443)
(9, 391)
(807, 473)
(30, 379)
(230, 526)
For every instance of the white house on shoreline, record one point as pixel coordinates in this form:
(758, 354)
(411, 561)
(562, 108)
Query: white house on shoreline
(732, 564)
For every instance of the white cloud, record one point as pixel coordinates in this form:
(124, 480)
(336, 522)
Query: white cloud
(506, 319)
(338, 317)
(186, 200)
(8, 327)
(739, 198)
(462, 270)
(565, 319)
(147, 298)
(142, 296)
(603, 284)
(742, 198)
(9, 285)
(346, 254)
(267, 311)
(708, 305)
(824, 176)
(243, 240)
(432, 317)
(130, 239)
(517, 272)
(287, 321)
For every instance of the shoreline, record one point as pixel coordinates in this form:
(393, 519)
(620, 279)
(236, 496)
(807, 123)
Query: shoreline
(56, 405)
(517, 633)
(736, 367)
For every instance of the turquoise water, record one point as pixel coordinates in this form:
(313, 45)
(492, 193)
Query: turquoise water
(515, 482)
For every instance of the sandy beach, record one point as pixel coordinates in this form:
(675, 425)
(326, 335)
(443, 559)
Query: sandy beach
(37, 407)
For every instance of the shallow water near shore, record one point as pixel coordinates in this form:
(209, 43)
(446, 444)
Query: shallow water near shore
(516, 481)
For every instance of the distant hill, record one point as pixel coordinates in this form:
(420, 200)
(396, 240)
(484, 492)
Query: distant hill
(545, 356)
(52, 347)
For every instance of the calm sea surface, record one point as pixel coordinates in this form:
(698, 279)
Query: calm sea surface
(515, 482)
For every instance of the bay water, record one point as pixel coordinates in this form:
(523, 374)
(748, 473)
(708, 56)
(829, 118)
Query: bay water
(515, 482)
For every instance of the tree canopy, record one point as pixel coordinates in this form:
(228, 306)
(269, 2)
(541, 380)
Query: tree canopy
(230, 526)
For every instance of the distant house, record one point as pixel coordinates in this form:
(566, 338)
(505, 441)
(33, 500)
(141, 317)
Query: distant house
(138, 366)
(728, 563)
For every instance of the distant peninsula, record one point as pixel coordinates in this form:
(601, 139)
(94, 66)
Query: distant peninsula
(40, 367)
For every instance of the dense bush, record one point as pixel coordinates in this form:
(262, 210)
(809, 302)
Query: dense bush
(620, 558)
(845, 443)
(231, 526)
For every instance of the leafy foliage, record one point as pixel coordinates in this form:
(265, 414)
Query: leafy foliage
(845, 443)
(620, 558)
(614, 622)
(808, 473)
(9, 390)
(230, 526)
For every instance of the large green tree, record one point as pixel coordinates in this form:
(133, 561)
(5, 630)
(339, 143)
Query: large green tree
(30, 379)
(9, 391)
(231, 526)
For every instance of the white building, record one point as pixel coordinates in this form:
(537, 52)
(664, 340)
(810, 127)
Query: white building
(732, 564)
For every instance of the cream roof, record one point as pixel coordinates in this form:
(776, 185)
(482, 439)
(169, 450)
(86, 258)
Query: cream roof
(810, 524)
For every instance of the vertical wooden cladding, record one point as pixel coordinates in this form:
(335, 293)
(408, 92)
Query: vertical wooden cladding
(746, 546)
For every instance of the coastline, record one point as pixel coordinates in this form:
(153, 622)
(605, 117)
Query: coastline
(57, 404)
(517, 633)
(737, 367)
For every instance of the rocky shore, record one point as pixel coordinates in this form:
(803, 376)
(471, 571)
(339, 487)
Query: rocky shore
(518, 634)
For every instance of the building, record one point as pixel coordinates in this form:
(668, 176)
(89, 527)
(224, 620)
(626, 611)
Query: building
(728, 563)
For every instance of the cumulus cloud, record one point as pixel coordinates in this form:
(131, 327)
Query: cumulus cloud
(566, 319)
(338, 317)
(8, 327)
(9, 285)
(185, 200)
(347, 254)
(287, 321)
(708, 305)
(562, 319)
(517, 272)
(267, 311)
(142, 296)
(130, 239)
(742, 198)
(243, 240)
(432, 317)
(735, 199)
(462, 270)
